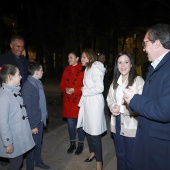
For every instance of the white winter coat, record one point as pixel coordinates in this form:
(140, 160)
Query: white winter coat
(91, 114)
(128, 122)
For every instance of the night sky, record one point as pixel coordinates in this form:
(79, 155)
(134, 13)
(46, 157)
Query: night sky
(139, 13)
(63, 25)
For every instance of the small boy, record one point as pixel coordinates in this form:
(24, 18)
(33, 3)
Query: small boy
(35, 101)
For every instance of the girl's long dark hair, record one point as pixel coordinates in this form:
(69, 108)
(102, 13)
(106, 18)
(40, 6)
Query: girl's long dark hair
(132, 73)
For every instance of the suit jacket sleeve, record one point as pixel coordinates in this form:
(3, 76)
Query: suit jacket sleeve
(155, 109)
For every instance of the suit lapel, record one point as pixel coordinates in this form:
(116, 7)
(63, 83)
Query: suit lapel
(151, 70)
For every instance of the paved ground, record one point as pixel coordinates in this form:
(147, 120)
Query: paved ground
(56, 143)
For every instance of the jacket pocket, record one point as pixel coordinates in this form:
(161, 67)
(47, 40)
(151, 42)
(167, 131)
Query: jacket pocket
(160, 133)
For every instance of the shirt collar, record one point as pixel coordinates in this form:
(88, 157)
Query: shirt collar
(119, 81)
(157, 61)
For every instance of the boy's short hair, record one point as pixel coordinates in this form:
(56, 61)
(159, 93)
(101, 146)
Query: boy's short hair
(33, 66)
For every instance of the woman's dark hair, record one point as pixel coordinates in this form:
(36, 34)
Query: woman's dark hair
(33, 66)
(132, 73)
(76, 54)
(91, 55)
(7, 70)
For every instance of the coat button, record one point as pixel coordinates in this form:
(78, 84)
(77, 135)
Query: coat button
(122, 124)
(139, 126)
(122, 133)
(7, 139)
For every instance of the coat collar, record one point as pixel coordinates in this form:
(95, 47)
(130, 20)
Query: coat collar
(77, 67)
(119, 81)
(162, 62)
(11, 88)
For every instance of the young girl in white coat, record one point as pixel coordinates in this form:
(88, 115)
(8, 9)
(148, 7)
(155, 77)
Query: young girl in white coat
(15, 132)
(123, 123)
(91, 113)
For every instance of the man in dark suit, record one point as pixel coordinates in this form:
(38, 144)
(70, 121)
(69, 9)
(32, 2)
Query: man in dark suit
(152, 143)
(15, 57)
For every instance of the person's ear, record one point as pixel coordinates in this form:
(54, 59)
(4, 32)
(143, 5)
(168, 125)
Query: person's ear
(9, 78)
(36, 72)
(11, 45)
(157, 43)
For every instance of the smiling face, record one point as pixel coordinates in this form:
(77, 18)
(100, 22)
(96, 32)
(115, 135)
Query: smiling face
(152, 49)
(148, 47)
(72, 59)
(17, 47)
(84, 59)
(124, 65)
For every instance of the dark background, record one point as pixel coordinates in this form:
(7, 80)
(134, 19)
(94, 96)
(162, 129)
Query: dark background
(61, 26)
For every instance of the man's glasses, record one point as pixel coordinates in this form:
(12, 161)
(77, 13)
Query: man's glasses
(144, 43)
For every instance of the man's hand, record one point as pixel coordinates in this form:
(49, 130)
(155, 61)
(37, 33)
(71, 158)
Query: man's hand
(129, 93)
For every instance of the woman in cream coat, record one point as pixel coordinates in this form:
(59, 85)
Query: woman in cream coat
(91, 113)
(123, 122)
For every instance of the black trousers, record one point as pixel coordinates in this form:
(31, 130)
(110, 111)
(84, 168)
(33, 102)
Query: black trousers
(15, 163)
(95, 145)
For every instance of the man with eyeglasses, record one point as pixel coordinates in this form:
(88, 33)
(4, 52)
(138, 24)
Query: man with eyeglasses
(152, 143)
